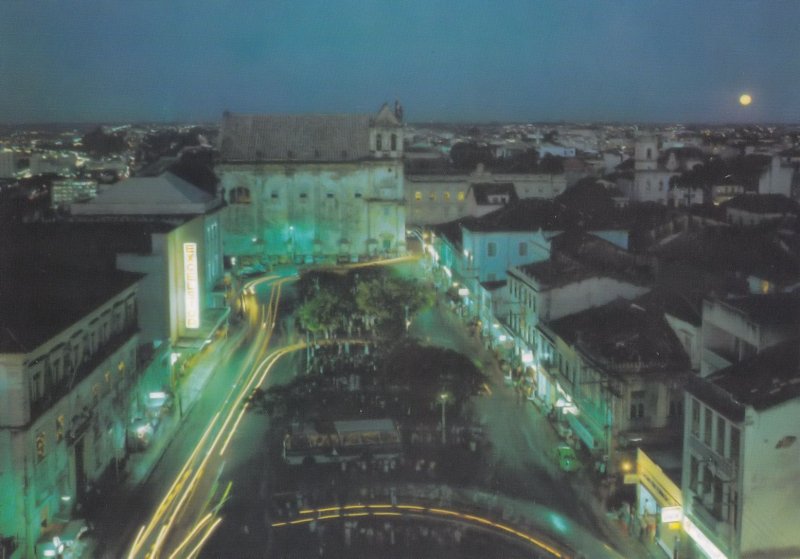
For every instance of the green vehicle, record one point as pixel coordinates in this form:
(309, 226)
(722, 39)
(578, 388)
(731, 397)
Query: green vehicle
(567, 461)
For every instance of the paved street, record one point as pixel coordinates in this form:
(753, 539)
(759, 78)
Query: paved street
(518, 456)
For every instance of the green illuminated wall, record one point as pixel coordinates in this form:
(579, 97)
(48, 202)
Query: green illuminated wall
(291, 210)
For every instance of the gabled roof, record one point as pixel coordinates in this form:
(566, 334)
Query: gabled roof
(166, 194)
(307, 137)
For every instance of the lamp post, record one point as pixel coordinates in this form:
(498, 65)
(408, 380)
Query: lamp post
(443, 397)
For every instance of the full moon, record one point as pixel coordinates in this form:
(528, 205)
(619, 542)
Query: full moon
(745, 99)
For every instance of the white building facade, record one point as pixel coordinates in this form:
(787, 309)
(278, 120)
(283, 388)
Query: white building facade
(64, 406)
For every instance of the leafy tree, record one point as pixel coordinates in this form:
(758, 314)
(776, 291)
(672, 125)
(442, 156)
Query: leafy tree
(427, 371)
(321, 313)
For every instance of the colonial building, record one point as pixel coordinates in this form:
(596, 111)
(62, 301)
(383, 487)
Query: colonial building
(312, 187)
(436, 199)
(67, 367)
(741, 458)
(619, 372)
(549, 290)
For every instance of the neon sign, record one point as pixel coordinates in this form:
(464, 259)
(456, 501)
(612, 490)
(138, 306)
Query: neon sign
(191, 285)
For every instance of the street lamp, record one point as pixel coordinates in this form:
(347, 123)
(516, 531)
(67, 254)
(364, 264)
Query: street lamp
(443, 398)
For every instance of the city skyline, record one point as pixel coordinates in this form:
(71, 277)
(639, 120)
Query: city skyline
(475, 61)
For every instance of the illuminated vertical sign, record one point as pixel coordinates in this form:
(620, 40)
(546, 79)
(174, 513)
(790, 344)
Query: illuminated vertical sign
(191, 288)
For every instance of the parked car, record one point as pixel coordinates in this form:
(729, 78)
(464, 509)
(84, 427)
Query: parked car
(566, 459)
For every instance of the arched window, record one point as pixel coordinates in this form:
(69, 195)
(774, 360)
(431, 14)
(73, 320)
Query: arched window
(394, 142)
(378, 142)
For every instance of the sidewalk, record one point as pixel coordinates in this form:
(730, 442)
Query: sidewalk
(141, 464)
(130, 495)
(628, 545)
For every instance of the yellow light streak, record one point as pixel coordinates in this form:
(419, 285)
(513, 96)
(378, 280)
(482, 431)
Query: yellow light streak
(233, 430)
(327, 509)
(241, 389)
(188, 538)
(445, 512)
(204, 538)
(416, 508)
(174, 488)
(136, 540)
(161, 535)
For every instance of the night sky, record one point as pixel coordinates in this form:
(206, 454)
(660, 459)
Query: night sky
(466, 60)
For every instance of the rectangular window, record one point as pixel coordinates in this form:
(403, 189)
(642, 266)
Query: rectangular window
(733, 448)
(447, 196)
(432, 196)
(461, 196)
(708, 419)
(720, 442)
(418, 196)
(491, 249)
(523, 249)
(358, 195)
(694, 473)
(695, 417)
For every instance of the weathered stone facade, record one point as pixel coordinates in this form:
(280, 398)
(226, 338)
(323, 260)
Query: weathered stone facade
(336, 191)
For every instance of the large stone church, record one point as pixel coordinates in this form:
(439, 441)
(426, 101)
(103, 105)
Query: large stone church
(311, 188)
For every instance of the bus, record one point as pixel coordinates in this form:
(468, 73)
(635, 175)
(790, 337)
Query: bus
(343, 441)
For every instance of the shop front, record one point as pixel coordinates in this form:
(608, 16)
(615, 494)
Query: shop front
(659, 501)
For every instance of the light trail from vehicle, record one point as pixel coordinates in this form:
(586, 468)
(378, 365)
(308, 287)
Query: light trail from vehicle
(223, 426)
(388, 509)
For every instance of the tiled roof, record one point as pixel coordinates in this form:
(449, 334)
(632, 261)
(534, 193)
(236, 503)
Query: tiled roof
(558, 270)
(529, 214)
(343, 137)
(625, 338)
(763, 381)
(729, 250)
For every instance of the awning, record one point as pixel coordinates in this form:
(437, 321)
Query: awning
(581, 431)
